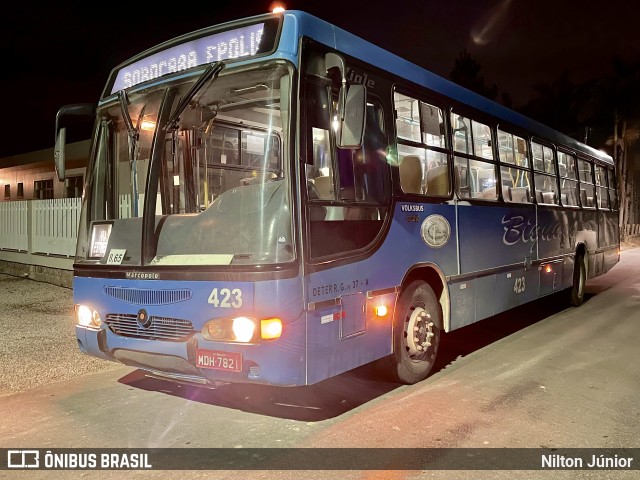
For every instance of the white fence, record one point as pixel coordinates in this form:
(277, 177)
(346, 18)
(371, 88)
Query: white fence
(13, 226)
(47, 227)
(55, 226)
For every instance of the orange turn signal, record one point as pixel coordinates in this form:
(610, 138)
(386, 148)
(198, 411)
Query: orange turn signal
(381, 310)
(270, 328)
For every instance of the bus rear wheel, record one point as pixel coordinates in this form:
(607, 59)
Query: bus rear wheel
(416, 334)
(579, 281)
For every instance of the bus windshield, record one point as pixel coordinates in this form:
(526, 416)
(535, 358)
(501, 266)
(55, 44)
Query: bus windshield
(216, 172)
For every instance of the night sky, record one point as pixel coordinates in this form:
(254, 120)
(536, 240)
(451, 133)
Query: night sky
(57, 53)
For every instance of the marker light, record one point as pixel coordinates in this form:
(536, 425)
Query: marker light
(270, 328)
(381, 310)
(243, 329)
(87, 316)
(547, 268)
(277, 8)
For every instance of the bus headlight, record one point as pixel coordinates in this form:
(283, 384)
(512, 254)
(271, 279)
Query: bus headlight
(242, 329)
(87, 316)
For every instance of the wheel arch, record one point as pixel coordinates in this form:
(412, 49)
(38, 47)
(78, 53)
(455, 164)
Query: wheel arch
(431, 274)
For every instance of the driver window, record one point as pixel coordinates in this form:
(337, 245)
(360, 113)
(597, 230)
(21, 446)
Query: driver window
(347, 189)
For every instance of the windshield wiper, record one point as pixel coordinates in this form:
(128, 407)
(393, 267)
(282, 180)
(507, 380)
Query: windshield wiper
(210, 73)
(133, 136)
(131, 130)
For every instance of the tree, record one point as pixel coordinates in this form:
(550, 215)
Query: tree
(560, 104)
(617, 111)
(466, 72)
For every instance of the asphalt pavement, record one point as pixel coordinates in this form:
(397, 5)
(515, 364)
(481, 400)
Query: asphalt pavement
(38, 343)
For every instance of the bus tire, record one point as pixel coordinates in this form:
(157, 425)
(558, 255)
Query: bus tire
(416, 334)
(579, 281)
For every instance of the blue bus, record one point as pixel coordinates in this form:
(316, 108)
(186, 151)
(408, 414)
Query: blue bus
(277, 201)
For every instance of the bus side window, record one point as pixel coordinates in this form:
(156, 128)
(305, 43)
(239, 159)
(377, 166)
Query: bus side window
(601, 182)
(587, 189)
(545, 176)
(461, 134)
(512, 152)
(486, 180)
(569, 191)
(476, 171)
(424, 169)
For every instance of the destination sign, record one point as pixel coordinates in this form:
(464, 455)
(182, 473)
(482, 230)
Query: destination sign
(236, 43)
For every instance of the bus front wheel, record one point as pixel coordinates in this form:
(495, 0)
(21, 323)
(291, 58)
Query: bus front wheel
(416, 334)
(579, 280)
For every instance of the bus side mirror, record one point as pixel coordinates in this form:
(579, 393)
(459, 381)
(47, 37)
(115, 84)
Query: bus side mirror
(58, 153)
(79, 110)
(351, 104)
(352, 128)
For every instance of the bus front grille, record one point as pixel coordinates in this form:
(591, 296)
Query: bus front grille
(160, 328)
(143, 296)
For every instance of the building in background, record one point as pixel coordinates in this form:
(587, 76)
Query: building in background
(32, 176)
(39, 215)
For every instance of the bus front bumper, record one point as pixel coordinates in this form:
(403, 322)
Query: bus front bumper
(277, 362)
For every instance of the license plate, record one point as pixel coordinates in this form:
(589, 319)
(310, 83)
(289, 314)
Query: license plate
(216, 360)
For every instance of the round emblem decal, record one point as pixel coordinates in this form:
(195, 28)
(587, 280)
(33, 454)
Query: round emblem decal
(435, 231)
(143, 319)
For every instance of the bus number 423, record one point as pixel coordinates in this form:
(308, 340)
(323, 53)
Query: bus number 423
(226, 298)
(518, 287)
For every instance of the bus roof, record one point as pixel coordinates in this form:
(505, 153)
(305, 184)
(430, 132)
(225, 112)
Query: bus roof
(357, 47)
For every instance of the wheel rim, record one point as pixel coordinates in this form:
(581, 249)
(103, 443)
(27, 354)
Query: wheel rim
(418, 332)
